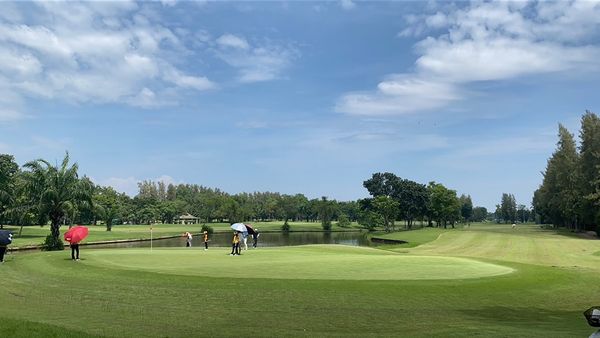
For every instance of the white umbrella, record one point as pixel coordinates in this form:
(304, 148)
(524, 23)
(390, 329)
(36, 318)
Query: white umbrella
(239, 227)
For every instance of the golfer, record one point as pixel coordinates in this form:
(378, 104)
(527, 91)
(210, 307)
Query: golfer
(205, 240)
(188, 242)
(235, 244)
(245, 240)
(255, 238)
(2, 251)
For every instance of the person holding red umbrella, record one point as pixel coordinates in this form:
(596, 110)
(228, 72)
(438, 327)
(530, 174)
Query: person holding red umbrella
(74, 236)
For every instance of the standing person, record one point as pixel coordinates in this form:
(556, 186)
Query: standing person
(255, 238)
(6, 240)
(245, 240)
(2, 251)
(188, 242)
(235, 244)
(74, 249)
(74, 236)
(205, 240)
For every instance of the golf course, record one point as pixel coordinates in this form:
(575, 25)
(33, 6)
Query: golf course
(483, 280)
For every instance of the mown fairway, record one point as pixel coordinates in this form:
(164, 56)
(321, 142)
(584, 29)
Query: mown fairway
(484, 281)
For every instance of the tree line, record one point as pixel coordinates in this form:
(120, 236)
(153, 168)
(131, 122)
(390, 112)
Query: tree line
(393, 199)
(569, 195)
(42, 193)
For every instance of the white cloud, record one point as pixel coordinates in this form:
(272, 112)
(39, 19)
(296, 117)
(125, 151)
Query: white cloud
(401, 94)
(187, 81)
(168, 3)
(8, 115)
(146, 98)
(92, 52)
(347, 4)
(485, 41)
(258, 62)
(230, 40)
(166, 179)
(129, 185)
(11, 106)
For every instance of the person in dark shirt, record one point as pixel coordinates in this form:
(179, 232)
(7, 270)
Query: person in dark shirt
(255, 238)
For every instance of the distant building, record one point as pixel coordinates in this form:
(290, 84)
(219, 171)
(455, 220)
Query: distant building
(186, 219)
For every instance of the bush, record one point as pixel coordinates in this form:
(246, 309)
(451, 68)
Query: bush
(50, 244)
(285, 227)
(343, 221)
(207, 228)
(326, 225)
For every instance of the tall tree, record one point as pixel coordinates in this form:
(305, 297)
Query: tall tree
(559, 196)
(382, 184)
(56, 190)
(466, 208)
(507, 210)
(443, 204)
(479, 214)
(387, 208)
(412, 198)
(8, 171)
(522, 213)
(326, 211)
(109, 203)
(589, 168)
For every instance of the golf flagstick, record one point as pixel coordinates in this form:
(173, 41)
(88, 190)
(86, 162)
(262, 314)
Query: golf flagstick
(150, 237)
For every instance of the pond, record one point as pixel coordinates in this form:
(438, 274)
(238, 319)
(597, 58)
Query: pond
(266, 239)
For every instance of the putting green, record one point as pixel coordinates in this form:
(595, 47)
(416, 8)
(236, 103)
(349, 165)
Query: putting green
(302, 262)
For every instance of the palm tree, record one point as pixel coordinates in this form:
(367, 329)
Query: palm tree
(56, 191)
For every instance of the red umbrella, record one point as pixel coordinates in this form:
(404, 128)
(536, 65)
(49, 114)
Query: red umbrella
(76, 234)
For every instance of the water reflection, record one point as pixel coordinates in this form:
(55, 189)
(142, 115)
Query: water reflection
(265, 240)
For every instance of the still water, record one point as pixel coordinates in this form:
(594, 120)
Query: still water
(265, 240)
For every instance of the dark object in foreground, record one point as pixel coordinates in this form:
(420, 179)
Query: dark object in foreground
(5, 237)
(593, 316)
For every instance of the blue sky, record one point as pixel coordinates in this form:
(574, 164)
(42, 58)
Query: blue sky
(298, 97)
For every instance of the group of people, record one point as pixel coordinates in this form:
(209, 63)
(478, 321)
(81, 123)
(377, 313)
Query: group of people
(236, 241)
(188, 242)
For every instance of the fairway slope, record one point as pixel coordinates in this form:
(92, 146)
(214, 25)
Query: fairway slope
(302, 262)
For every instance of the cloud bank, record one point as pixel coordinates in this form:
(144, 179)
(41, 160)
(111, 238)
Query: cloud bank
(484, 41)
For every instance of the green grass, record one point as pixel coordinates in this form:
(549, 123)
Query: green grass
(35, 235)
(314, 290)
(413, 238)
(304, 262)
